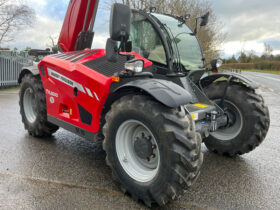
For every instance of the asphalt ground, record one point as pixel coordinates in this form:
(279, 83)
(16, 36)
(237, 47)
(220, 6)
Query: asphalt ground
(69, 172)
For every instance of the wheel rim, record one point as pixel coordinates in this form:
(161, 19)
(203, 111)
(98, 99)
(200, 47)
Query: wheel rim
(139, 168)
(231, 131)
(29, 105)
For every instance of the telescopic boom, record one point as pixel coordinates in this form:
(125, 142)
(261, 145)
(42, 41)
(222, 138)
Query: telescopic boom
(77, 30)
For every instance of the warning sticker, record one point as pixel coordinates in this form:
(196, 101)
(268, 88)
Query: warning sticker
(194, 116)
(201, 105)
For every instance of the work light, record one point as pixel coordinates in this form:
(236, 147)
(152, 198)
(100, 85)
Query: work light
(134, 66)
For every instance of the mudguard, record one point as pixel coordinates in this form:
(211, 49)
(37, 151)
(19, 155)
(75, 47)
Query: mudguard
(166, 92)
(205, 81)
(27, 70)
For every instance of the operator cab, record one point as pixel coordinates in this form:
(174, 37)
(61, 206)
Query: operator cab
(166, 41)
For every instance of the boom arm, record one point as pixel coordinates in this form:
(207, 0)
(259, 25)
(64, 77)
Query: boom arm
(77, 29)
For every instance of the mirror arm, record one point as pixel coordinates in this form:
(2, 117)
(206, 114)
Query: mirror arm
(196, 25)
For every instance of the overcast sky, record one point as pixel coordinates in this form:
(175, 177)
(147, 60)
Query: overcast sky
(248, 24)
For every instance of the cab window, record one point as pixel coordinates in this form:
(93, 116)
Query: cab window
(145, 40)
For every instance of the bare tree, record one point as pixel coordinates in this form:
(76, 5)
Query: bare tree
(210, 36)
(13, 16)
(268, 50)
(52, 41)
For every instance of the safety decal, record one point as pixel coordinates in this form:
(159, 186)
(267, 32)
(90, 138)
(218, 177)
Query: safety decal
(194, 116)
(71, 83)
(201, 105)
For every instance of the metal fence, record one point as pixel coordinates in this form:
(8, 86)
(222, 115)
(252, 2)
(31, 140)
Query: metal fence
(10, 68)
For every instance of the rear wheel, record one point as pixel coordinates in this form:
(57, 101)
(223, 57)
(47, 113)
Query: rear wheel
(33, 108)
(153, 151)
(248, 120)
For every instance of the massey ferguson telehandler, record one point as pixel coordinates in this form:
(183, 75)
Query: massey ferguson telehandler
(147, 97)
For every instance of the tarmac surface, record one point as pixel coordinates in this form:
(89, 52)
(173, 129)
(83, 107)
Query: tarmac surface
(69, 172)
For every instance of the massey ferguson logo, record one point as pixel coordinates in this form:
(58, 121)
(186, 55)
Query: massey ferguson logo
(70, 83)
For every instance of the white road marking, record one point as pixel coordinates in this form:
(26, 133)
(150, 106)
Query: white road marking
(271, 78)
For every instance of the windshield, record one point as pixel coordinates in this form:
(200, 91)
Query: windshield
(189, 49)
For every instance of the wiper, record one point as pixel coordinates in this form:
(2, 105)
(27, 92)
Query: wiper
(184, 33)
(182, 19)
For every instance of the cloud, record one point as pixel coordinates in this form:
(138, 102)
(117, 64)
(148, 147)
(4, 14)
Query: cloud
(49, 19)
(249, 21)
(235, 47)
(50, 8)
(37, 36)
(37, 3)
(100, 40)
(276, 52)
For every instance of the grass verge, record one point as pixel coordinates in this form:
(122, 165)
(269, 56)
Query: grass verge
(10, 88)
(262, 71)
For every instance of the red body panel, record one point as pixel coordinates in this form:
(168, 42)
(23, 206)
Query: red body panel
(73, 23)
(94, 81)
(61, 101)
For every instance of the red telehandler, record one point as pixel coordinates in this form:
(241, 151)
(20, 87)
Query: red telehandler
(146, 97)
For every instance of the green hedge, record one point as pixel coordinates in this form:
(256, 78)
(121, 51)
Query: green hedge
(262, 65)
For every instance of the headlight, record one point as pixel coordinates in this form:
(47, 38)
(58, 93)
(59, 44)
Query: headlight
(134, 66)
(219, 63)
(216, 63)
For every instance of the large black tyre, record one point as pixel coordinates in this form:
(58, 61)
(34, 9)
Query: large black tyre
(178, 144)
(34, 112)
(255, 119)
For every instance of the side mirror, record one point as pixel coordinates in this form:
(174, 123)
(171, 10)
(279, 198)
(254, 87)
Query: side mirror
(204, 19)
(119, 31)
(120, 22)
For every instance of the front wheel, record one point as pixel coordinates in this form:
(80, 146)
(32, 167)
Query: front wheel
(153, 151)
(248, 120)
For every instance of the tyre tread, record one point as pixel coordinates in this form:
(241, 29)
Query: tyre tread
(261, 123)
(186, 153)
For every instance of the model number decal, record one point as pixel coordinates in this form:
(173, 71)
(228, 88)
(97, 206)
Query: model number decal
(51, 93)
(71, 83)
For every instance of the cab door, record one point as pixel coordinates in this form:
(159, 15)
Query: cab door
(146, 40)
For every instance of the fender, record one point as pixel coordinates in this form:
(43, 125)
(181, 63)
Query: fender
(166, 92)
(28, 70)
(205, 81)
